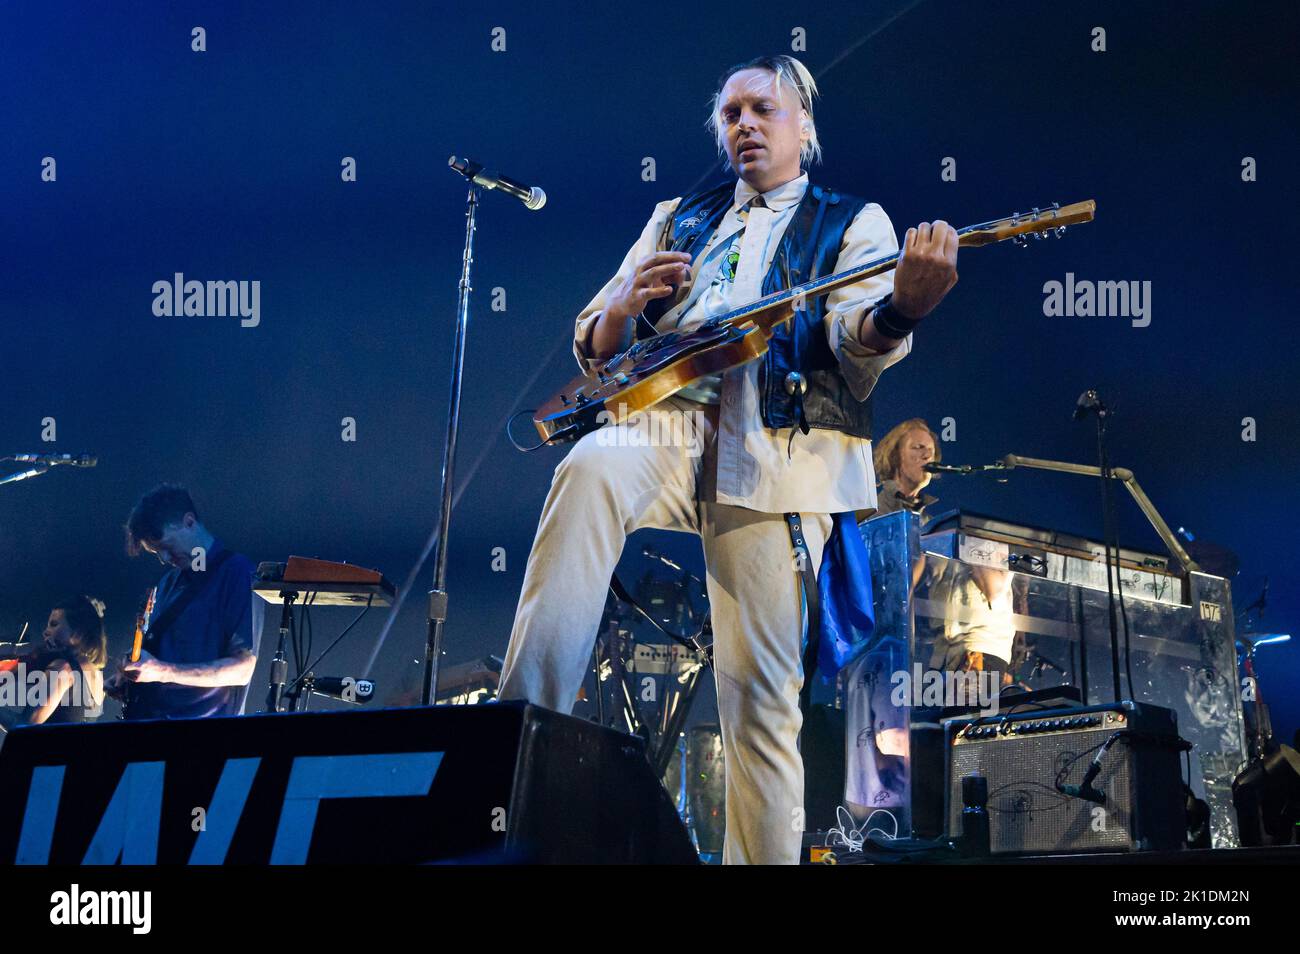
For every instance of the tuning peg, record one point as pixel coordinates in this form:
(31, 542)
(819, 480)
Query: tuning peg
(1059, 231)
(1019, 240)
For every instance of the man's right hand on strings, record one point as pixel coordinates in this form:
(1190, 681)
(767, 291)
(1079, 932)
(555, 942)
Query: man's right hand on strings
(656, 276)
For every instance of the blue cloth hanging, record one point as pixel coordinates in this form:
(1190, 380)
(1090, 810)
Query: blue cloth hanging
(848, 616)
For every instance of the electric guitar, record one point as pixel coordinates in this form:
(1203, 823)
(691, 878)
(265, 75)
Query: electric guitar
(659, 366)
(137, 644)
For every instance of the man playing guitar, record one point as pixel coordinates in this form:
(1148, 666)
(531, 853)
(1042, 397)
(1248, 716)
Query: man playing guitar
(201, 644)
(785, 436)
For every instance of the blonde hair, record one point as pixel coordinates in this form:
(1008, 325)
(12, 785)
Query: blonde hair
(885, 455)
(788, 72)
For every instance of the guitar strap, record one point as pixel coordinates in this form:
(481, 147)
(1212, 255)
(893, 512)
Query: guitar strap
(798, 329)
(686, 230)
(812, 602)
(172, 611)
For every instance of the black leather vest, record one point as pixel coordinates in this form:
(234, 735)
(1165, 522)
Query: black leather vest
(808, 250)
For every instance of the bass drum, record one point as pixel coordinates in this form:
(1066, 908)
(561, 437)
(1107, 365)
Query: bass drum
(706, 790)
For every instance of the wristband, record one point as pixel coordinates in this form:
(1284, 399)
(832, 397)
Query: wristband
(890, 322)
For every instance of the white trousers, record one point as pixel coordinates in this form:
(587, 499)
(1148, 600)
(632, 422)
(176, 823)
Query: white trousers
(615, 481)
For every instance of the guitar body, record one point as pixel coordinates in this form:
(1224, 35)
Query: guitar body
(638, 380)
(648, 372)
(657, 367)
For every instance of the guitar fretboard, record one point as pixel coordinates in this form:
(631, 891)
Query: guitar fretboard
(823, 286)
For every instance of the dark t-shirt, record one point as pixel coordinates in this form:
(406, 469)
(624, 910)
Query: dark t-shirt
(76, 704)
(218, 622)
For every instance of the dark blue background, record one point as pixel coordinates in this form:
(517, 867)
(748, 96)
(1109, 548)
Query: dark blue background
(225, 165)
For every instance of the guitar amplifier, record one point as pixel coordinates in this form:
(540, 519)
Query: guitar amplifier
(1135, 801)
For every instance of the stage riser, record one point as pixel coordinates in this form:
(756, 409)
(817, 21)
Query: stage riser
(499, 783)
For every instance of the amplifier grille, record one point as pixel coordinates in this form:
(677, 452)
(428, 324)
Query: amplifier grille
(1028, 814)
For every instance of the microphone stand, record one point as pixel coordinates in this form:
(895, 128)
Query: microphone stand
(438, 595)
(1113, 580)
(1262, 731)
(280, 663)
(41, 464)
(34, 471)
(1125, 477)
(1107, 473)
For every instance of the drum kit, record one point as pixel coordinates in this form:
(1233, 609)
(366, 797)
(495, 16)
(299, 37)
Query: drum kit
(648, 673)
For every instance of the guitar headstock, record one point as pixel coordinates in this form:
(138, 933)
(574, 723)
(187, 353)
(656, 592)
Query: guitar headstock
(1040, 223)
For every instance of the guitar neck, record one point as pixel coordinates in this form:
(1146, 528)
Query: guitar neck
(138, 643)
(777, 307)
(776, 302)
(141, 624)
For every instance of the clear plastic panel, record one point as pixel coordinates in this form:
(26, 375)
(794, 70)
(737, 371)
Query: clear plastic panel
(937, 615)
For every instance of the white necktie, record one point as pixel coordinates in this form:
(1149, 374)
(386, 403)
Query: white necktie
(753, 243)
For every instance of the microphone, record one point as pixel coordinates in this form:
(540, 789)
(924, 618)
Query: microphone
(26, 474)
(1085, 790)
(1089, 403)
(963, 468)
(531, 196)
(344, 688)
(71, 460)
